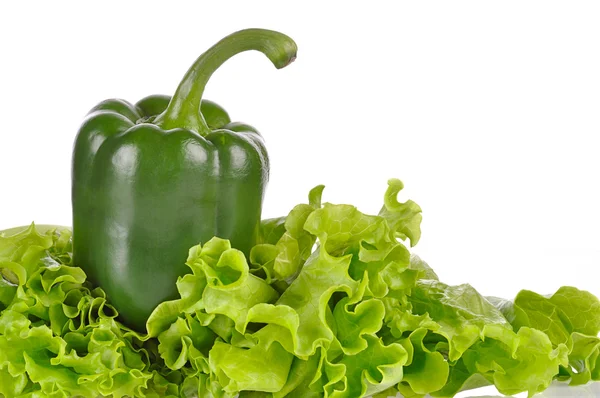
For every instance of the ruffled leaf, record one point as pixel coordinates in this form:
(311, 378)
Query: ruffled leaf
(403, 218)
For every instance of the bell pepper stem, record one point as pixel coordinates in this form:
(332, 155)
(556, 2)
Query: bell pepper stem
(183, 110)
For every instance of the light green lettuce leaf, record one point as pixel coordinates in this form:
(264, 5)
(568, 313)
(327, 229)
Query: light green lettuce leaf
(176, 345)
(426, 371)
(536, 311)
(570, 316)
(12, 386)
(25, 246)
(340, 230)
(461, 379)
(581, 308)
(286, 244)
(232, 291)
(159, 387)
(58, 337)
(20, 255)
(262, 261)
(260, 368)
(584, 359)
(566, 311)
(271, 230)
(299, 383)
(307, 299)
(366, 318)
(228, 295)
(478, 333)
(403, 218)
(385, 265)
(525, 361)
(514, 362)
(203, 262)
(460, 313)
(424, 270)
(372, 370)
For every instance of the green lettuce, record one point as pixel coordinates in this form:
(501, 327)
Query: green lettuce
(568, 317)
(58, 336)
(329, 303)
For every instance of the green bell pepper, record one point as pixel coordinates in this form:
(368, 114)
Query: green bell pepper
(153, 179)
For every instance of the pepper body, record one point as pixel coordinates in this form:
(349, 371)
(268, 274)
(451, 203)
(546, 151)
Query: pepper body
(149, 181)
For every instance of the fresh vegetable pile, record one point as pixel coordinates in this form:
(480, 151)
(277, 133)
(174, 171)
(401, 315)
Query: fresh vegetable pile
(330, 304)
(326, 302)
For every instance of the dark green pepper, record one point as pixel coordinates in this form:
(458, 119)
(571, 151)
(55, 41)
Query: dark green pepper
(153, 179)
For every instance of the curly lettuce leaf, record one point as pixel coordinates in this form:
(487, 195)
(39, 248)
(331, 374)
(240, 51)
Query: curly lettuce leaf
(260, 368)
(580, 307)
(19, 257)
(525, 361)
(459, 312)
(271, 230)
(372, 370)
(534, 310)
(426, 370)
(353, 325)
(479, 340)
(403, 218)
(59, 337)
(584, 358)
(569, 317)
(284, 244)
(461, 379)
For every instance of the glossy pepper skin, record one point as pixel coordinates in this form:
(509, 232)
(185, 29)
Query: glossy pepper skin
(152, 179)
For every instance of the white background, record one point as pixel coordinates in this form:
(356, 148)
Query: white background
(488, 111)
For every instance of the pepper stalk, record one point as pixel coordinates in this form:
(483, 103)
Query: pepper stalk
(183, 110)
